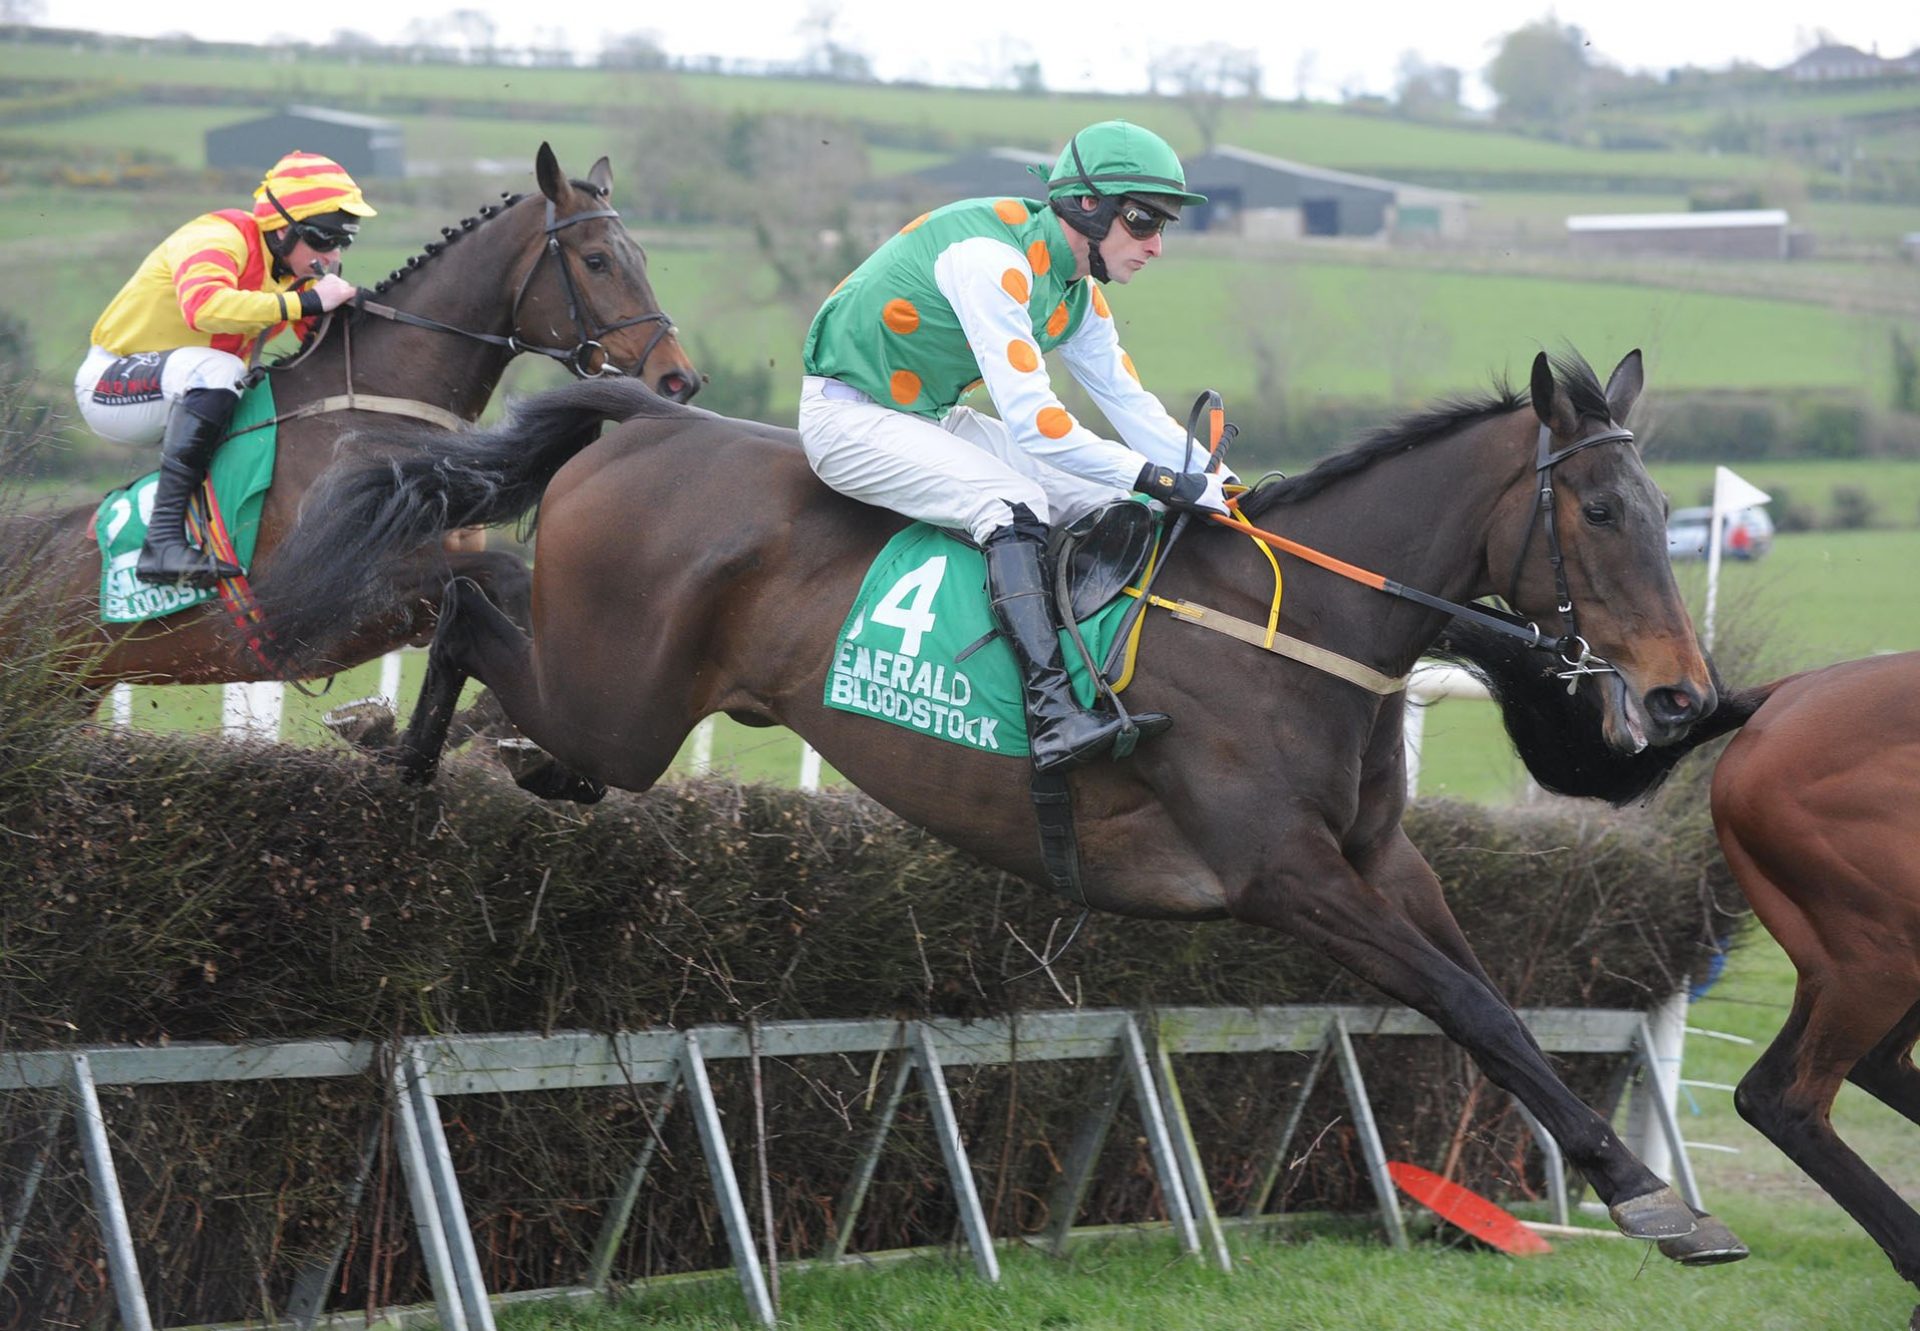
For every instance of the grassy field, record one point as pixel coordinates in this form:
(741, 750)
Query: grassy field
(1330, 325)
(1325, 135)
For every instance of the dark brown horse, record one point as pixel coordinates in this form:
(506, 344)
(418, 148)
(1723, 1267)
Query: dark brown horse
(1814, 804)
(689, 564)
(554, 273)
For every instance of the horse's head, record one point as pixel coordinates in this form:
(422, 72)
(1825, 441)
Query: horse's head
(1580, 548)
(584, 290)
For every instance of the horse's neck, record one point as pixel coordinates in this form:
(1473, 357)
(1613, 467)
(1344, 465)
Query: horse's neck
(467, 288)
(1420, 518)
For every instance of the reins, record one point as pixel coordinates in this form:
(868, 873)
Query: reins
(1570, 646)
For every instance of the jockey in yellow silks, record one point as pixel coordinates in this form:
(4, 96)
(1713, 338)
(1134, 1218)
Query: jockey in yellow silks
(171, 350)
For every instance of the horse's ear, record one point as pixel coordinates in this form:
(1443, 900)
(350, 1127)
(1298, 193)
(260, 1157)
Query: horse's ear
(1624, 385)
(546, 169)
(1543, 389)
(602, 177)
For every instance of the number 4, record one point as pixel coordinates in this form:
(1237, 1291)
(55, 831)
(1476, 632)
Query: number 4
(913, 619)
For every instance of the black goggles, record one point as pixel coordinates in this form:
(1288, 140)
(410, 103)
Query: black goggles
(320, 240)
(1141, 222)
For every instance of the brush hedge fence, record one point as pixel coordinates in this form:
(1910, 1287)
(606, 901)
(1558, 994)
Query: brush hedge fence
(164, 889)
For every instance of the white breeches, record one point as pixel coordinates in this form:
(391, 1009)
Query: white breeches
(964, 472)
(127, 398)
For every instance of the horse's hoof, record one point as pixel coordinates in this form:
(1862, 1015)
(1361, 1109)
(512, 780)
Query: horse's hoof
(1660, 1214)
(540, 773)
(365, 723)
(1710, 1244)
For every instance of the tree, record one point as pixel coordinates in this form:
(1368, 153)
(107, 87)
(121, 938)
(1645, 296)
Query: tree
(1539, 76)
(1426, 92)
(823, 54)
(633, 50)
(1206, 79)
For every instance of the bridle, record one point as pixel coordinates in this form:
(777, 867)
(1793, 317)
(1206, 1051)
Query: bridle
(587, 327)
(1573, 648)
(586, 324)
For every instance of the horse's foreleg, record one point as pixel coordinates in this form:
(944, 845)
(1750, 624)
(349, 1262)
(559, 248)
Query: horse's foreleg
(1404, 876)
(1789, 1092)
(1367, 931)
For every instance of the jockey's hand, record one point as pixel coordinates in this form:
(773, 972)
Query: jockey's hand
(1195, 490)
(334, 291)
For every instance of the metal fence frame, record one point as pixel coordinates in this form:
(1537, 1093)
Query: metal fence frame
(1140, 1050)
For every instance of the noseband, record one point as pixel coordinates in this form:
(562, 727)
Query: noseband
(586, 325)
(1572, 647)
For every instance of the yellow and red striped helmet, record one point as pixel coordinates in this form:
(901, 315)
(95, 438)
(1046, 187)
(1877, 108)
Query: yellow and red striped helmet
(304, 185)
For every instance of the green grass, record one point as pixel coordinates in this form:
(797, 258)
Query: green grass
(1807, 1272)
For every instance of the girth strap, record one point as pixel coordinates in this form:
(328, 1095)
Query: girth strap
(1281, 644)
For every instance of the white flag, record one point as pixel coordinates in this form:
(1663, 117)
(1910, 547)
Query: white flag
(1730, 492)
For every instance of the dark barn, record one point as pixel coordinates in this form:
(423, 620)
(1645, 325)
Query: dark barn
(368, 147)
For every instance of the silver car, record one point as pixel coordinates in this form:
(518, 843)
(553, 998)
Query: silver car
(1745, 533)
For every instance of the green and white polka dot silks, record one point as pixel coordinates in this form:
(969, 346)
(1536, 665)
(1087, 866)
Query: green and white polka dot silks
(979, 291)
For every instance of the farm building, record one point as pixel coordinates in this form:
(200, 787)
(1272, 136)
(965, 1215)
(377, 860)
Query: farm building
(369, 148)
(1836, 61)
(1273, 198)
(972, 175)
(1754, 233)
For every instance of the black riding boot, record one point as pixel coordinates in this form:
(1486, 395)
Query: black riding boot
(1061, 733)
(194, 431)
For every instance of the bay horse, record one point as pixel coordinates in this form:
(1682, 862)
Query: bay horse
(554, 273)
(689, 564)
(1813, 804)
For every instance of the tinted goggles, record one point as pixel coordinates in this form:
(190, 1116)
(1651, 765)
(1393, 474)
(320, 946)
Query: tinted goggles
(321, 240)
(1141, 222)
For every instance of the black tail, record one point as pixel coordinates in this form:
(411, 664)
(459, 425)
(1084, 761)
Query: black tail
(1557, 734)
(341, 565)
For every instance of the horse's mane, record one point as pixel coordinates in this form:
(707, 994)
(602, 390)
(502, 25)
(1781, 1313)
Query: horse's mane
(449, 234)
(433, 248)
(1576, 378)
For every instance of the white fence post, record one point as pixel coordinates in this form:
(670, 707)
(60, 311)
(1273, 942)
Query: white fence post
(1668, 1023)
(1431, 683)
(700, 760)
(251, 711)
(390, 679)
(122, 696)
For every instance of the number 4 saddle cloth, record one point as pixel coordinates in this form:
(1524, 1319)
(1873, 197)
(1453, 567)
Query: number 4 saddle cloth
(920, 648)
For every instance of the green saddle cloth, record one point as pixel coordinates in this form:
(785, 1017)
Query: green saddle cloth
(242, 470)
(920, 649)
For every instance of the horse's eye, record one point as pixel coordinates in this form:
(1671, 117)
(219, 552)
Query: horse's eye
(1598, 513)
(596, 263)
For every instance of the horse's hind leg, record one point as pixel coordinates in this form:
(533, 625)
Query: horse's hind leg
(475, 639)
(1887, 1072)
(418, 752)
(1789, 1092)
